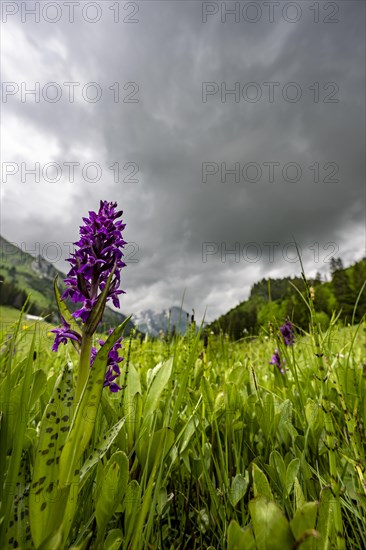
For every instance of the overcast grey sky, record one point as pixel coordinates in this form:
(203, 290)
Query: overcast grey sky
(215, 126)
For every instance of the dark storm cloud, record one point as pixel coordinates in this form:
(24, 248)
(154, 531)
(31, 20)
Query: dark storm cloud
(171, 132)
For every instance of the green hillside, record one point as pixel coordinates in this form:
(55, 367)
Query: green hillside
(22, 274)
(278, 298)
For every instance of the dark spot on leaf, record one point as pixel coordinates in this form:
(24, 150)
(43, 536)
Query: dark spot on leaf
(50, 461)
(43, 506)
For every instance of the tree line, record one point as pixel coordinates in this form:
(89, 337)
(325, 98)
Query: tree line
(283, 298)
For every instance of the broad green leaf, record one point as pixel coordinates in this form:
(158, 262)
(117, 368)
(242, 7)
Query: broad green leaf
(291, 473)
(38, 387)
(189, 430)
(236, 374)
(19, 529)
(156, 387)
(219, 403)
(260, 483)
(100, 450)
(299, 495)
(278, 469)
(46, 499)
(238, 489)
(303, 523)
(111, 490)
(240, 539)
(162, 500)
(132, 500)
(113, 540)
(132, 405)
(325, 519)
(271, 528)
(133, 383)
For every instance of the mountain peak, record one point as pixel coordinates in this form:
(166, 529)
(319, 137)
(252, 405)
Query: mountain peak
(153, 322)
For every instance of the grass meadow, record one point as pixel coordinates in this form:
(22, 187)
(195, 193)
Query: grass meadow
(208, 445)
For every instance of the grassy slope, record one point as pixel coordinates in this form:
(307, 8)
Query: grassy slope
(19, 267)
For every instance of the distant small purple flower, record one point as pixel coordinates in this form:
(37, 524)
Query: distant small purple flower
(287, 331)
(276, 360)
(64, 334)
(99, 250)
(113, 370)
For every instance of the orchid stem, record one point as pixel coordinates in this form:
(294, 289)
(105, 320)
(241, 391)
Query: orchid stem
(84, 364)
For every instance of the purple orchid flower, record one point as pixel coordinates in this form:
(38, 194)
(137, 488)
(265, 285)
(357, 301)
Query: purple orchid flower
(64, 334)
(97, 260)
(99, 251)
(287, 331)
(276, 360)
